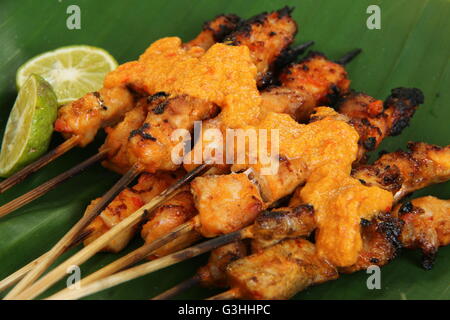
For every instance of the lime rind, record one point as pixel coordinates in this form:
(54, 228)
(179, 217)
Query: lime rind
(29, 127)
(72, 71)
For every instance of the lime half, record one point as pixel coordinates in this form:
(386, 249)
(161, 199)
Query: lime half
(72, 71)
(30, 125)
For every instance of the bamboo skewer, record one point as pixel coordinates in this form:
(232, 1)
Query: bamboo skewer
(49, 185)
(71, 236)
(94, 247)
(181, 287)
(149, 267)
(348, 57)
(38, 164)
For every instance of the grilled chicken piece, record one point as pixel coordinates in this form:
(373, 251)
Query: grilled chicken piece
(214, 31)
(403, 172)
(123, 205)
(271, 227)
(116, 141)
(317, 76)
(426, 226)
(280, 271)
(167, 217)
(213, 273)
(85, 116)
(151, 145)
(267, 35)
(375, 120)
(273, 187)
(380, 242)
(234, 207)
(127, 202)
(286, 100)
(313, 82)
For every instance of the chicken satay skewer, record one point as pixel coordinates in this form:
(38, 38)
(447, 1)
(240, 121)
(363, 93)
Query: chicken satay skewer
(269, 228)
(40, 285)
(213, 31)
(274, 225)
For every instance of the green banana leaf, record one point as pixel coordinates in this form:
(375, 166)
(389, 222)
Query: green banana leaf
(411, 49)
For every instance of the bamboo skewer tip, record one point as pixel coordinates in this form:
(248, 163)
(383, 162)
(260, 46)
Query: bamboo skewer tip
(38, 164)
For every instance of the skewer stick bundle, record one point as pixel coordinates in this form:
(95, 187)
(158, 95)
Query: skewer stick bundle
(149, 267)
(86, 253)
(71, 236)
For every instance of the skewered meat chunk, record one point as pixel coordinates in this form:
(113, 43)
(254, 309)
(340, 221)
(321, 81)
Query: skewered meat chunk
(271, 227)
(403, 172)
(266, 35)
(381, 243)
(280, 271)
(285, 100)
(273, 187)
(426, 226)
(318, 78)
(232, 208)
(85, 116)
(127, 202)
(121, 207)
(152, 145)
(213, 273)
(168, 216)
(116, 141)
(375, 120)
(214, 31)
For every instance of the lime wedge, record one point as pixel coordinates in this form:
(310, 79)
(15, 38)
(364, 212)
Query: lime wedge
(29, 127)
(72, 71)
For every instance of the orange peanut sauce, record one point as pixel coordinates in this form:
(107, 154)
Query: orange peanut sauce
(328, 148)
(224, 75)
